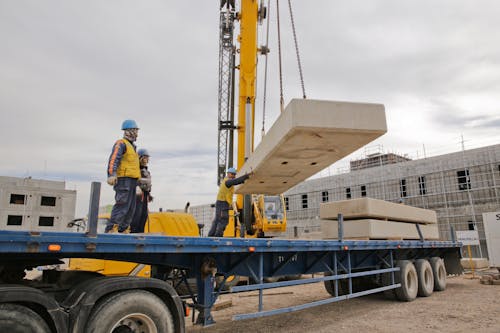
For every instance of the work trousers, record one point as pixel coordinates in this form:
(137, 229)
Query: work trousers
(141, 213)
(221, 219)
(124, 207)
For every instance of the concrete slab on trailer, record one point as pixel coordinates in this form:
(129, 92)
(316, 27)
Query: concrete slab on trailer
(376, 209)
(307, 137)
(376, 229)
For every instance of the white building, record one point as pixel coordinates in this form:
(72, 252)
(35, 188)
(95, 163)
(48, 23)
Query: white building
(35, 204)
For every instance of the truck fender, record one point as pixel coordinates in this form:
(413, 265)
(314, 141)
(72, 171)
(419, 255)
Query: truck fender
(83, 297)
(37, 301)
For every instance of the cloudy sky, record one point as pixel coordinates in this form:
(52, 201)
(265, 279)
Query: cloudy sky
(70, 72)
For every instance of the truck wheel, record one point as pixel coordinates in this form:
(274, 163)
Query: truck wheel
(439, 272)
(15, 318)
(330, 286)
(425, 277)
(131, 311)
(407, 276)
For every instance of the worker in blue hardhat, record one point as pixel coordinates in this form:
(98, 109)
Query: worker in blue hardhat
(143, 194)
(225, 201)
(123, 173)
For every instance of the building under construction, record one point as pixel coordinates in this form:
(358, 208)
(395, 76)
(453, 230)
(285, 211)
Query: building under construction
(459, 186)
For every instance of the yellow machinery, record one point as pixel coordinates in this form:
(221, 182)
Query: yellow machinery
(249, 209)
(269, 217)
(160, 223)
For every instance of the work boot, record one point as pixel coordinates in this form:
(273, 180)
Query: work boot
(126, 231)
(113, 230)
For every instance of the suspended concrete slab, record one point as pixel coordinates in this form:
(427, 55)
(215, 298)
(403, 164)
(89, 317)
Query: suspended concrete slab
(369, 208)
(307, 137)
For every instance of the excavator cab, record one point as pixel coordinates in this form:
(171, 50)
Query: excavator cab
(268, 218)
(272, 213)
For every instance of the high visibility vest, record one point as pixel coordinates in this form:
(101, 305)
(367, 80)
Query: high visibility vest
(129, 165)
(225, 193)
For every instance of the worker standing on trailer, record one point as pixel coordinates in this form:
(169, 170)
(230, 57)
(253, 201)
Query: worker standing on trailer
(224, 202)
(123, 173)
(143, 194)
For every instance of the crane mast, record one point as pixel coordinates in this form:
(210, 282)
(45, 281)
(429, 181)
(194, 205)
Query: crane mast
(226, 92)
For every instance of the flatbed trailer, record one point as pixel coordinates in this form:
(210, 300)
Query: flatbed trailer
(71, 305)
(78, 301)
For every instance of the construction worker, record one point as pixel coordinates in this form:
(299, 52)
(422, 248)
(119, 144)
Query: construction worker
(143, 194)
(224, 202)
(123, 173)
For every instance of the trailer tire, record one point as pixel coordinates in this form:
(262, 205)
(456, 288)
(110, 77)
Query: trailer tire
(133, 310)
(425, 277)
(330, 286)
(439, 272)
(409, 282)
(15, 318)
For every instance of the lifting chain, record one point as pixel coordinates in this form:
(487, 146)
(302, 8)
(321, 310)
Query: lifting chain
(297, 50)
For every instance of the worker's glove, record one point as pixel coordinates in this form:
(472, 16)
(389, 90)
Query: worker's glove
(150, 198)
(138, 191)
(112, 180)
(144, 181)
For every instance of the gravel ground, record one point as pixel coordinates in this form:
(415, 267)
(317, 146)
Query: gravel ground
(465, 306)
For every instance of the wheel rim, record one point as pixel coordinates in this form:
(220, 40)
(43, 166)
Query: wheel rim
(441, 273)
(136, 323)
(427, 277)
(411, 280)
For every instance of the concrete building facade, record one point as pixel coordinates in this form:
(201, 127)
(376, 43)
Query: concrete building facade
(35, 204)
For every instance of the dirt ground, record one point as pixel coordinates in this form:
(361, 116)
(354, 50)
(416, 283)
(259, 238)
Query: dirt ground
(465, 306)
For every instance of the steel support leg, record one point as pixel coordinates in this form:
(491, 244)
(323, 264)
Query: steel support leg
(205, 300)
(261, 279)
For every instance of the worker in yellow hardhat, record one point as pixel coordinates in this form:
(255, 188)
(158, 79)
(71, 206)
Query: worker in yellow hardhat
(123, 173)
(224, 202)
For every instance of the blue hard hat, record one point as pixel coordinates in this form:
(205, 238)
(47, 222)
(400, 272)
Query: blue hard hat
(143, 152)
(232, 170)
(128, 124)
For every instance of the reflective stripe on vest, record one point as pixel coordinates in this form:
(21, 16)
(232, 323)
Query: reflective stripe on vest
(129, 165)
(225, 193)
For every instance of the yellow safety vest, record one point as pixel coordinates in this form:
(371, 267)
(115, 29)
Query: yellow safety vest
(129, 165)
(225, 193)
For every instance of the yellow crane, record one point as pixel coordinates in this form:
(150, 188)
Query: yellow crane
(258, 221)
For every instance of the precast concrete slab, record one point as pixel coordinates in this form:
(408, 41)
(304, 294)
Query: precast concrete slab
(376, 209)
(475, 263)
(307, 137)
(377, 229)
